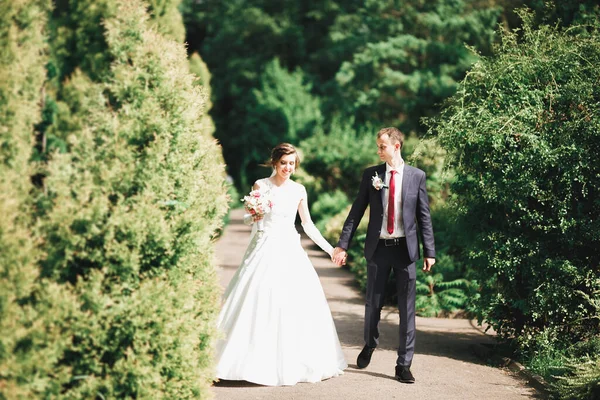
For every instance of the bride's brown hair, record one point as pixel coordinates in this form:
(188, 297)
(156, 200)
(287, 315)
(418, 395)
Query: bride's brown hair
(283, 149)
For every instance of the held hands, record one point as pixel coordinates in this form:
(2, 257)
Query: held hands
(428, 263)
(339, 256)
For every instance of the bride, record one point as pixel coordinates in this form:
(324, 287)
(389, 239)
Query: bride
(277, 325)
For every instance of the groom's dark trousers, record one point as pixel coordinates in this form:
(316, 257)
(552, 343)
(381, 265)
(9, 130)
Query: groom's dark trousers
(398, 256)
(391, 258)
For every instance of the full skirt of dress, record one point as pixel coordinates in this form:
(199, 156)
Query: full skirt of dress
(276, 324)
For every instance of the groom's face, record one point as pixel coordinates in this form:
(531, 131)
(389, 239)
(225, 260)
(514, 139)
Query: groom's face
(387, 149)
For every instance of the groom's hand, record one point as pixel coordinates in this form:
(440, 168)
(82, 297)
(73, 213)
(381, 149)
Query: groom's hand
(428, 263)
(339, 256)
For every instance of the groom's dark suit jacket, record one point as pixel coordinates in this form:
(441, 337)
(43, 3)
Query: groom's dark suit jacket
(415, 212)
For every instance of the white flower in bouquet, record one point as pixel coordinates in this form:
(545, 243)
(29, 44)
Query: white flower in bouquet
(258, 204)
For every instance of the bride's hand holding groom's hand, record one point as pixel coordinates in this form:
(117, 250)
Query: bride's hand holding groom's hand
(339, 256)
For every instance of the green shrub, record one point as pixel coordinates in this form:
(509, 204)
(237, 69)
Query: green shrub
(127, 295)
(199, 68)
(281, 109)
(166, 18)
(338, 157)
(31, 340)
(356, 261)
(436, 297)
(314, 187)
(328, 205)
(522, 136)
(429, 156)
(582, 383)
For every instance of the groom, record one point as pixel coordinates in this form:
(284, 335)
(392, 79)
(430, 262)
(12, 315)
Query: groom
(398, 203)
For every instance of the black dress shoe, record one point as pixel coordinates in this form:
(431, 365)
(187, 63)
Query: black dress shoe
(404, 375)
(364, 358)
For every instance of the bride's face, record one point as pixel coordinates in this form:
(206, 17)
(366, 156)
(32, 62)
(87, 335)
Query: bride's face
(286, 166)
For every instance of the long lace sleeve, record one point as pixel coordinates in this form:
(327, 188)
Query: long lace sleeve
(309, 227)
(313, 233)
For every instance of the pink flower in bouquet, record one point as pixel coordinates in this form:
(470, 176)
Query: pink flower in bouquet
(258, 203)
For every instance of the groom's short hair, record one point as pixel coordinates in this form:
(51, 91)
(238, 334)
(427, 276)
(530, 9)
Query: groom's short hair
(393, 133)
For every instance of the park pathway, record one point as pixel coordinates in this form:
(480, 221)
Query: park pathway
(444, 366)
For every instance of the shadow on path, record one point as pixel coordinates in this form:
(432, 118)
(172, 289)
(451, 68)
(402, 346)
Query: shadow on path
(440, 343)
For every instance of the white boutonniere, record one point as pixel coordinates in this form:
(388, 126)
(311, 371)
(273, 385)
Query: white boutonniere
(377, 182)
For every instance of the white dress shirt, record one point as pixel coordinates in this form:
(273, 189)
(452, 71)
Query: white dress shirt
(398, 224)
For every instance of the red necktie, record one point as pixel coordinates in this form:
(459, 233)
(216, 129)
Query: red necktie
(391, 204)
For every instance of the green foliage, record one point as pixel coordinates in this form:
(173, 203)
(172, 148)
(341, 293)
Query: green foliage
(314, 187)
(233, 196)
(364, 63)
(166, 18)
(338, 157)
(328, 205)
(565, 13)
(77, 40)
(410, 59)
(436, 296)
(198, 67)
(31, 343)
(283, 110)
(522, 134)
(429, 156)
(239, 41)
(356, 261)
(109, 288)
(583, 383)
(287, 96)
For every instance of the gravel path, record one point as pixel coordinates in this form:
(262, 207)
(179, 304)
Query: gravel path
(444, 366)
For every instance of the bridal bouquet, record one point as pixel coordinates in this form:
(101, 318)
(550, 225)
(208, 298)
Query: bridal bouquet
(258, 204)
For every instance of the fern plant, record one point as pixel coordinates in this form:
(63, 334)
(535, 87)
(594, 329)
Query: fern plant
(583, 382)
(436, 296)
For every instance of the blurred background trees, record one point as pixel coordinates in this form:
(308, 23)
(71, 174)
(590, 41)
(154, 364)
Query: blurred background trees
(360, 64)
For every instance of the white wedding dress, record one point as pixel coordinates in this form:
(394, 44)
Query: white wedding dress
(276, 324)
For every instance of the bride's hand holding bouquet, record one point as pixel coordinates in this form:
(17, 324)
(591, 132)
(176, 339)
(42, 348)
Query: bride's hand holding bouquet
(258, 204)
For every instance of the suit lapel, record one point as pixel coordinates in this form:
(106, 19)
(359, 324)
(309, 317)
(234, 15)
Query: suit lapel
(381, 174)
(406, 177)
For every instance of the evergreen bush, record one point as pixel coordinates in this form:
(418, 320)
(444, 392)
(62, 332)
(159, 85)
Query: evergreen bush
(129, 198)
(523, 134)
(338, 155)
(31, 341)
(282, 109)
(328, 205)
